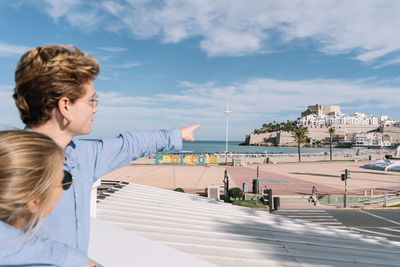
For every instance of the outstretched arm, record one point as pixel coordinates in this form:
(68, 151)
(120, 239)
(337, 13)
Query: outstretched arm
(106, 155)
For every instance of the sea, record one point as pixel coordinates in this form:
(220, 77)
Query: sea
(233, 146)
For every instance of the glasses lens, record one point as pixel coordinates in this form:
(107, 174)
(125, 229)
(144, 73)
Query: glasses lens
(95, 101)
(67, 180)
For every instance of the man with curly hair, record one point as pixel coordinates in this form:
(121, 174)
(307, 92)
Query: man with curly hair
(55, 95)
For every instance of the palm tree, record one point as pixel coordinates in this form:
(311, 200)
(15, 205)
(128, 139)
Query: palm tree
(331, 133)
(300, 134)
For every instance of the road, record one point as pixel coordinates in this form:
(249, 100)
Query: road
(382, 223)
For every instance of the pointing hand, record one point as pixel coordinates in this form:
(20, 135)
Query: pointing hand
(187, 132)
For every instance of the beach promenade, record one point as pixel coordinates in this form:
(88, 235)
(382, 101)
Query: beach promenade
(288, 180)
(299, 178)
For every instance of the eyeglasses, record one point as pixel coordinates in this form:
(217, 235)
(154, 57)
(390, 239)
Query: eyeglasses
(94, 101)
(67, 181)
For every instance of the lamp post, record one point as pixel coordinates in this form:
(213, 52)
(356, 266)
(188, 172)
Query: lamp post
(227, 112)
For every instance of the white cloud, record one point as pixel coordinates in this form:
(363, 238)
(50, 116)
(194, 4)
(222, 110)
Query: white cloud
(267, 95)
(223, 42)
(127, 65)
(115, 98)
(388, 63)
(57, 9)
(187, 84)
(8, 50)
(104, 78)
(254, 102)
(82, 14)
(264, 95)
(112, 49)
(367, 28)
(9, 114)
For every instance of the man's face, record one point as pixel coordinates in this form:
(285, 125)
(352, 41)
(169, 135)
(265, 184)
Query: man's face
(82, 112)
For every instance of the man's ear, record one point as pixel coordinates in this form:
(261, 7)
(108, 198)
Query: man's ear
(33, 205)
(64, 108)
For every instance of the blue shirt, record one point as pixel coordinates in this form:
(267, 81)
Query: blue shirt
(87, 161)
(63, 237)
(35, 251)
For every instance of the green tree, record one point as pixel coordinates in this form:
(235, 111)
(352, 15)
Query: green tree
(179, 190)
(300, 134)
(235, 192)
(331, 133)
(276, 126)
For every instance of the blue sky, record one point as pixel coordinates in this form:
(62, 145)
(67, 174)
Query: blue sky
(174, 63)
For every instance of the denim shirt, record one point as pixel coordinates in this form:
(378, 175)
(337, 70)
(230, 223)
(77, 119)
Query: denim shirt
(63, 237)
(87, 161)
(35, 251)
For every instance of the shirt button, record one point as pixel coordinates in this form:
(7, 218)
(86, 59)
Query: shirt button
(76, 195)
(78, 224)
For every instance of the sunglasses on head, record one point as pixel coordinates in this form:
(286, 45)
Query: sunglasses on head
(67, 180)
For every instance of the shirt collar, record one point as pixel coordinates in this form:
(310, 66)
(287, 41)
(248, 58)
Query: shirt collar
(70, 153)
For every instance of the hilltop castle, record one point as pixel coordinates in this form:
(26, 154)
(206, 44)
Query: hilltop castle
(321, 110)
(356, 129)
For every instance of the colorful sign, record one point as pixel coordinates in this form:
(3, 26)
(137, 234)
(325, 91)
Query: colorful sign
(186, 159)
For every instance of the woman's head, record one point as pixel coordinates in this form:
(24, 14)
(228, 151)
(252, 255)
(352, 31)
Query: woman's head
(30, 177)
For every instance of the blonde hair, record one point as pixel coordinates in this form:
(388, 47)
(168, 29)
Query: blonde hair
(45, 74)
(30, 165)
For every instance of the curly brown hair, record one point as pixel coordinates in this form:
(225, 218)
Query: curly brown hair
(45, 74)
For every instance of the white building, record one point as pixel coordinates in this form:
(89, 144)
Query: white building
(337, 118)
(368, 140)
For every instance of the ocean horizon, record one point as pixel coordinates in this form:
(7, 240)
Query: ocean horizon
(233, 146)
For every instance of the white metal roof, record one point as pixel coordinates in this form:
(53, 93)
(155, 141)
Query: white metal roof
(228, 235)
(113, 246)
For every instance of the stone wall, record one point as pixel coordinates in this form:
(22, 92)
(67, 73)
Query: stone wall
(285, 139)
(262, 139)
(319, 133)
(280, 138)
(393, 132)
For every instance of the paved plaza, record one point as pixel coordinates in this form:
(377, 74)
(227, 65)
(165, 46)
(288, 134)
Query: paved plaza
(285, 179)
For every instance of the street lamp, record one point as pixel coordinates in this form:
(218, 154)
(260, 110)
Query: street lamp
(227, 112)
